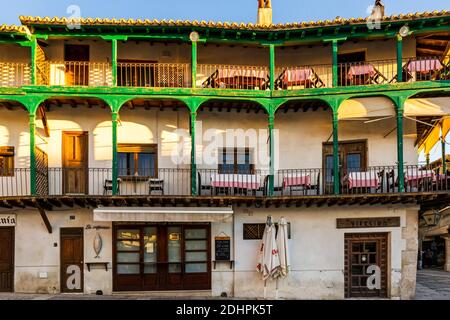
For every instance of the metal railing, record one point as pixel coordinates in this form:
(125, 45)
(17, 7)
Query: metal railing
(98, 181)
(15, 182)
(426, 69)
(367, 72)
(303, 77)
(213, 182)
(14, 74)
(78, 73)
(159, 75)
(232, 77)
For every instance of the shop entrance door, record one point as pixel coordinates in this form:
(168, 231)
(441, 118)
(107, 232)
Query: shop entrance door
(363, 250)
(162, 257)
(6, 259)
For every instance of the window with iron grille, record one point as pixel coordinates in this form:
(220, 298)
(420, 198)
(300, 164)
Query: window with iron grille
(255, 231)
(7, 161)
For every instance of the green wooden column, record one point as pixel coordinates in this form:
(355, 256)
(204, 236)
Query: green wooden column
(32, 126)
(336, 173)
(114, 62)
(334, 46)
(194, 63)
(444, 163)
(270, 190)
(399, 58)
(272, 67)
(115, 163)
(401, 166)
(33, 47)
(194, 190)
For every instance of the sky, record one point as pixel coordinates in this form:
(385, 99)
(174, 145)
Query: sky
(226, 10)
(216, 10)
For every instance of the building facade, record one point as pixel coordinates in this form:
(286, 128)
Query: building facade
(146, 155)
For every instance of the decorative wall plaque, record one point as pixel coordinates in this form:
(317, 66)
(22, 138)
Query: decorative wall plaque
(382, 222)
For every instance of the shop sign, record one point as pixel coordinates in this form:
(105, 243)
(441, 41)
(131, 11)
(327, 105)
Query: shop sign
(382, 222)
(7, 220)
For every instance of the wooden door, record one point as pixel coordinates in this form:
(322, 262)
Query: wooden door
(352, 157)
(72, 259)
(75, 162)
(7, 259)
(162, 257)
(76, 58)
(363, 250)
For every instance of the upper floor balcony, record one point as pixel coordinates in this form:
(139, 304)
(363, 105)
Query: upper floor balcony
(217, 76)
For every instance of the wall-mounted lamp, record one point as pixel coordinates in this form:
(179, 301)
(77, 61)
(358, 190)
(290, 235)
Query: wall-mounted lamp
(194, 36)
(404, 31)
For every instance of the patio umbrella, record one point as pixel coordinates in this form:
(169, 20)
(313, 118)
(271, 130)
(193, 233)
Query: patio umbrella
(283, 251)
(269, 260)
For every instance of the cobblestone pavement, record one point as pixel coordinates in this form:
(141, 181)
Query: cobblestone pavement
(433, 285)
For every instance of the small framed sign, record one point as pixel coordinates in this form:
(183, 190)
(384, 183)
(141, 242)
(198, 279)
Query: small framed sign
(222, 247)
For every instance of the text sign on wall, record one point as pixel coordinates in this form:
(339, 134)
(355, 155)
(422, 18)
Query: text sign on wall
(222, 248)
(368, 222)
(7, 220)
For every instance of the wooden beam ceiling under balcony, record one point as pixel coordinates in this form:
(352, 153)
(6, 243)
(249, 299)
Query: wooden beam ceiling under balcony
(52, 103)
(426, 200)
(433, 44)
(238, 106)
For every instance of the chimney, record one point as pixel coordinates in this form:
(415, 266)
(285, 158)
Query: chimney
(264, 12)
(378, 9)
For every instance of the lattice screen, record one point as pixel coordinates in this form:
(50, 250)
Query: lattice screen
(255, 231)
(41, 172)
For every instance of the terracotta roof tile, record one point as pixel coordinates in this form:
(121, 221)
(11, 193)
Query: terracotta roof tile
(28, 20)
(14, 29)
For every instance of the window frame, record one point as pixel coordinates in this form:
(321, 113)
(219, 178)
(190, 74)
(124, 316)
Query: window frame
(128, 169)
(235, 151)
(7, 157)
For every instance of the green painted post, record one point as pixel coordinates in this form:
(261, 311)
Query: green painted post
(194, 63)
(32, 125)
(114, 61)
(270, 190)
(193, 156)
(444, 163)
(335, 76)
(401, 166)
(272, 67)
(399, 59)
(33, 61)
(115, 164)
(336, 172)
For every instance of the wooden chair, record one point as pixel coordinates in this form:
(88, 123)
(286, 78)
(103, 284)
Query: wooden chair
(211, 81)
(381, 175)
(155, 184)
(316, 186)
(108, 186)
(391, 182)
(444, 72)
(316, 81)
(202, 187)
(406, 75)
(377, 78)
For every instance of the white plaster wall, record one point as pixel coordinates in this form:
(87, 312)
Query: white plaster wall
(301, 136)
(316, 251)
(35, 251)
(222, 276)
(14, 132)
(245, 130)
(155, 127)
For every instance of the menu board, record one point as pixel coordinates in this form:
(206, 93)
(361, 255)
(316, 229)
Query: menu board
(222, 248)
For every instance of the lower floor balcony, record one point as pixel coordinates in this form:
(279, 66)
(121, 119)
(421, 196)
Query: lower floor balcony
(163, 182)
